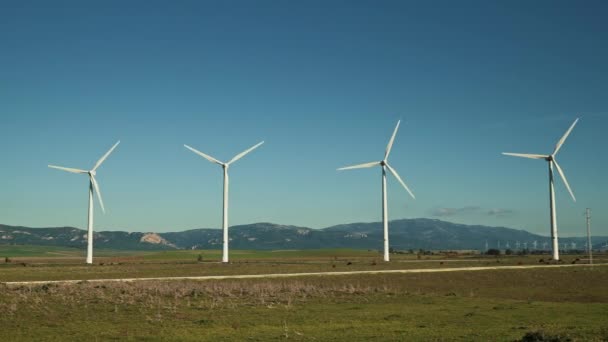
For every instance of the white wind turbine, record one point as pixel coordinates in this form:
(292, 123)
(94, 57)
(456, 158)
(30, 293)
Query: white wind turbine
(550, 159)
(384, 164)
(92, 184)
(225, 210)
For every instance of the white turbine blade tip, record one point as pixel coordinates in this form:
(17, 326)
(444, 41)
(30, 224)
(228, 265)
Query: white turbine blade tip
(209, 158)
(96, 186)
(242, 154)
(561, 141)
(359, 166)
(391, 141)
(68, 169)
(105, 156)
(394, 172)
(526, 155)
(563, 176)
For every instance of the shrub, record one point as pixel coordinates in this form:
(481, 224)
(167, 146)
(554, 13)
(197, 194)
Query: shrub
(534, 336)
(493, 251)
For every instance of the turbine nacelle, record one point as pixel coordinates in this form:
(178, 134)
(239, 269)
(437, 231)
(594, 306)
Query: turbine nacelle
(91, 173)
(222, 164)
(384, 163)
(550, 158)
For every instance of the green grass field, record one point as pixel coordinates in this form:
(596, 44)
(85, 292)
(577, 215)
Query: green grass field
(489, 305)
(566, 304)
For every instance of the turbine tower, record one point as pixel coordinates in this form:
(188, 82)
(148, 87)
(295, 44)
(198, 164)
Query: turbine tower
(225, 206)
(589, 244)
(552, 162)
(92, 185)
(384, 164)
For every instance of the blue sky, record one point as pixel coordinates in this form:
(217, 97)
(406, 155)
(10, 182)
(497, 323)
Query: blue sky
(323, 83)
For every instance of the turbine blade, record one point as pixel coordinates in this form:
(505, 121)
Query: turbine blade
(400, 180)
(526, 155)
(209, 158)
(242, 154)
(68, 169)
(96, 186)
(390, 142)
(561, 141)
(105, 156)
(360, 166)
(561, 173)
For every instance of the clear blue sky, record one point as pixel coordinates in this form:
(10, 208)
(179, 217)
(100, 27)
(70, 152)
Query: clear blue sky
(323, 83)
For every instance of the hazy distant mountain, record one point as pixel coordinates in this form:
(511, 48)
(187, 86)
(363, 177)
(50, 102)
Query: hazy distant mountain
(404, 234)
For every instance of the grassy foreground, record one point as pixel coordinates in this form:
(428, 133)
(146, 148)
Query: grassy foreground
(502, 305)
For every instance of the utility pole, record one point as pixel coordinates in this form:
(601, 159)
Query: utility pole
(589, 246)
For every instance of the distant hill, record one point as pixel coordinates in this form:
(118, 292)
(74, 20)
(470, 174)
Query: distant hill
(404, 234)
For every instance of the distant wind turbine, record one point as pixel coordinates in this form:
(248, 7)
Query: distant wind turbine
(225, 210)
(551, 161)
(92, 184)
(384, 164)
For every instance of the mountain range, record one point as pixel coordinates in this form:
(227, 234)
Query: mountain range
(405, 234)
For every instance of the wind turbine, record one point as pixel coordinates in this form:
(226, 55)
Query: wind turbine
(92, 184)
(384, 164)
(225, 207)
(550, 159)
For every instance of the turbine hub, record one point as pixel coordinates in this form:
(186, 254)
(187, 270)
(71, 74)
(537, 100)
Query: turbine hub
(383, 162)
(92, 173)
